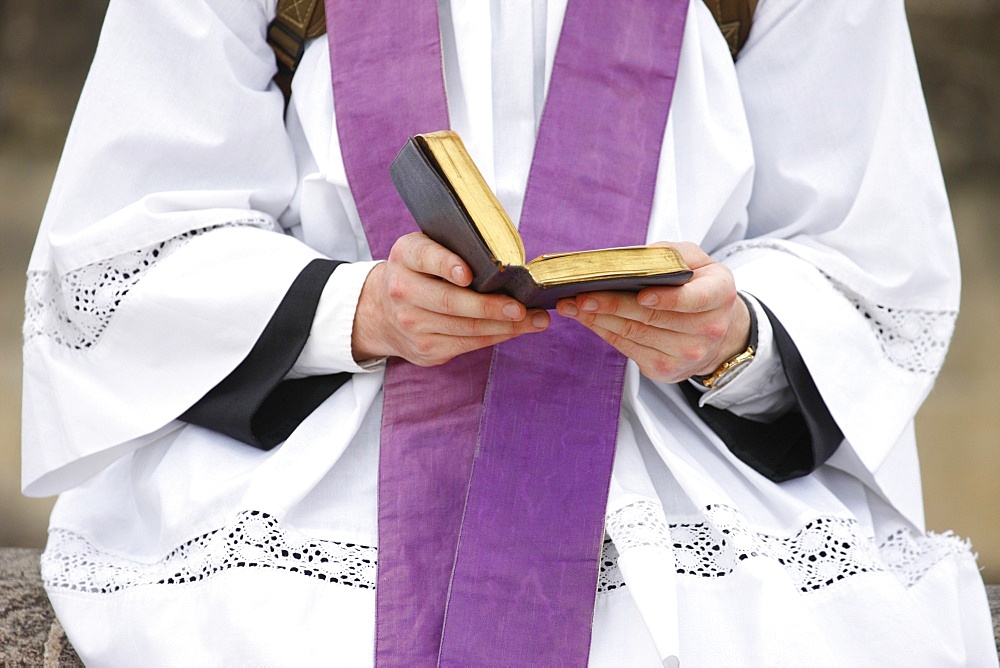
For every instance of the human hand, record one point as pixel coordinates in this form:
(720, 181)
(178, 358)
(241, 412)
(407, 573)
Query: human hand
(416, 305)
(672, 333)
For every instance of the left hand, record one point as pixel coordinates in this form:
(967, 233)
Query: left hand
(672, 332)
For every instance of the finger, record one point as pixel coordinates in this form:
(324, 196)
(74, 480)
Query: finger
(694, 257)
(691, 348)
(437, 348)
(654, 364)
(712, 287)
(711, 324)
(418, 252)
(408, 287)
(419, 322)
(625, 305)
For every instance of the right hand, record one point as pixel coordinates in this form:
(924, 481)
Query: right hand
(417, 305)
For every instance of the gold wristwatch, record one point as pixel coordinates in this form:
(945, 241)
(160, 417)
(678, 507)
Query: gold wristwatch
(727, 370)
(732, 366)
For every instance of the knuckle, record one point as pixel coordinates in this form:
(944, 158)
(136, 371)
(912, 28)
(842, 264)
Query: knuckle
(663, 366)
(407, 322)
(660, 368)
(703, 302)
(650, 316)
(447, 301)
(490, 309)
(615, 339)
(632, 329)
(714, 330)
(420, 252)
(472, 327)
(397, 288)
(693, 352)
(396, 253)
(667, 299)
(424, 348)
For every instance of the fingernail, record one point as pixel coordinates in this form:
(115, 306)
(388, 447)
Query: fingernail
(458, 274)
(589, 304)
(511, 311)
(647, 300)
(568, 310)
(539, 320)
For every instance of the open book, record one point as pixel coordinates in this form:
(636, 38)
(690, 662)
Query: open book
(454, 206)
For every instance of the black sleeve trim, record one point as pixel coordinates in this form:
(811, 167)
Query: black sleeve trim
(795, 444)
(254, 404)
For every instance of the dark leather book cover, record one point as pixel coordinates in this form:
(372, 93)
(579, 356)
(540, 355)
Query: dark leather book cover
(441, 215)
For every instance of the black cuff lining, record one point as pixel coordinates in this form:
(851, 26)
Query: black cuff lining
(254, 404)
(795, 444)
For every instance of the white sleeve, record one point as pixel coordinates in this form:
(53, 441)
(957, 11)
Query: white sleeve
(159, 261)
(328, 348)
(850, 240)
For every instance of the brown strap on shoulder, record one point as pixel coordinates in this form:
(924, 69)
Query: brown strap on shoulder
(734, 18)
(299, 20)
(294, 22)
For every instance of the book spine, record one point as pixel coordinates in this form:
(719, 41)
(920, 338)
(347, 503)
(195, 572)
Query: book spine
(440, 215)
(492, 279)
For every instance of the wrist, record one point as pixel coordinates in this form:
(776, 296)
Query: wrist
(738, 347)
(367, 341)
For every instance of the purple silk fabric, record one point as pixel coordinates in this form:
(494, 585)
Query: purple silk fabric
(512, 579)
(526, 570)
(387, 85)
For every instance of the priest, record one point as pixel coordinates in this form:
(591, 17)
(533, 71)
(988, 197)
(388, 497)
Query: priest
(283, 430)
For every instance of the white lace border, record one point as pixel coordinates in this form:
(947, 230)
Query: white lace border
(825, 551)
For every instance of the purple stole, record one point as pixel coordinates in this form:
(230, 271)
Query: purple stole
(494, 468)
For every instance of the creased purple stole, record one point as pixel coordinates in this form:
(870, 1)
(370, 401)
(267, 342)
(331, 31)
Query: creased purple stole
(494, 468)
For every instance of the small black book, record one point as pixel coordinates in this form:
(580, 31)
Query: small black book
(453, 205)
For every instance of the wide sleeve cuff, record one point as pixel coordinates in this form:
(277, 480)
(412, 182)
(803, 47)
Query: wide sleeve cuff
(256, 404)
(795, 444)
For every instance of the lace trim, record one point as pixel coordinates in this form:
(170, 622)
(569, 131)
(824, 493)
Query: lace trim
(255, 540)
(909, 556)
(637, 524)
(915, 340)
(825, 551)
(74, 310)
(609, 576)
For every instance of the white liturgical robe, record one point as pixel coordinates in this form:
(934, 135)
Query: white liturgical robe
(187, 203)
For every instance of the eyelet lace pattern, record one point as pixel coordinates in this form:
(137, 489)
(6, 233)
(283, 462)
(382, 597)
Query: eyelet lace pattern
(823, 552)
(914, 340)
(74, 310)
(253, 540)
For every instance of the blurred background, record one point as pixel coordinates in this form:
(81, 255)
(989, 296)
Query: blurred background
(46, 47)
